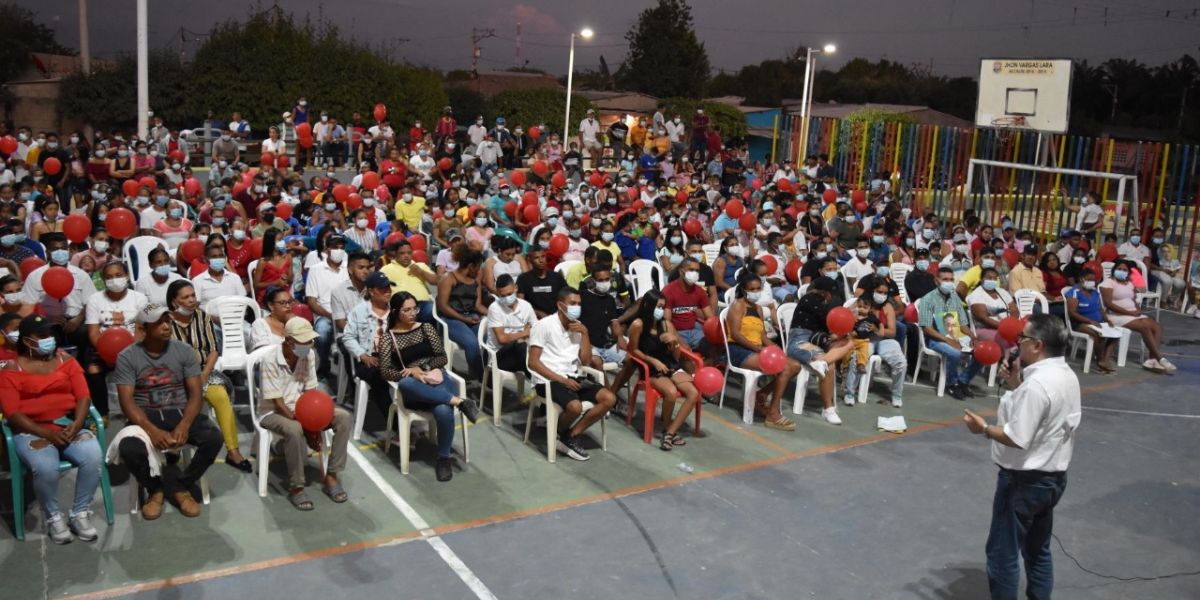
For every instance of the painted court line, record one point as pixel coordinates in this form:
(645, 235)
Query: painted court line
(1140, 412)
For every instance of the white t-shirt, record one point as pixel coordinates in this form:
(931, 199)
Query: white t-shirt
(589, 129)
(422, 165)
(106, 312)
(322, 280)
(69, 306)
(276, 147)
(1139, 252)
(150, 217)
(261, 335)
(155, 293)
(997, 307)
(1092, 213)
(560, 348)
(513, 321)
(1041, 417)
(208, 287)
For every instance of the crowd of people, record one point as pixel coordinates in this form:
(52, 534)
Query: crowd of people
(394, 250)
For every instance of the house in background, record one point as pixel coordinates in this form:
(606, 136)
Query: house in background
(765, 128)
(611, 106)
(32, 98)
(490, 83)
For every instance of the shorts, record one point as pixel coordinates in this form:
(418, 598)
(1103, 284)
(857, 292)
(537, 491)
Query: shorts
(611, 354)
(592, 145)
(799, 347)
(562, 395)
(692, 337)
(738, 354)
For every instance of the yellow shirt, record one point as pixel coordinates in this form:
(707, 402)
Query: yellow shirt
(576, 274)
(1021, 278)
(637, 136)
(613, 249)
(403, 281)
(411, 212)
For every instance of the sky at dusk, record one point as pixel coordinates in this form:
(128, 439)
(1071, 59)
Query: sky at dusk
(949, 35)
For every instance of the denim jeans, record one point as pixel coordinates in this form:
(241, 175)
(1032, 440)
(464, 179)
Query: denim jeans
(953, 358)
(892, 355)
(83, 452)
(799, 346)
(465, 336)
(425, 311)
(1022, 521)
(435, 398)
(324, 329)
(692, 337)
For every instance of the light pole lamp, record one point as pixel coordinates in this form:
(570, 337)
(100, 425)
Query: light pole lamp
(586, 33)
(806, 98)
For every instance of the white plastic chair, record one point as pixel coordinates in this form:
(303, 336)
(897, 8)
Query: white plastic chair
(927, 351)
(647, 275)
(565, 266)
(899, 272)
(405, 417)
(262, 447)
(1155, 298)
(452, 349)
(362, 390)
(711, 252)
(136, 254)
(230, 312)
(1075, 338)
(749, 377)
(250, 276)
(499, 376)
(553, 411)
(1025, 299)
(786, 313)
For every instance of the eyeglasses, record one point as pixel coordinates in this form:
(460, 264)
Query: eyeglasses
(409, 309)
(1022, 337)
(285, 302)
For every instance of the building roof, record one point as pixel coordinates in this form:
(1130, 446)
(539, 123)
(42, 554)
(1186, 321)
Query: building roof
(620, 102)
(490, 83)
(920, 114)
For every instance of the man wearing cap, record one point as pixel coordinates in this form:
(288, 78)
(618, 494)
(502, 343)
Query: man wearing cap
(959, 259)
(323, 278)
(158, 384)
(363, 324)
(1026, 275)
(476, 132)
(589, 137)
(268, 220)
(489, 153)
(408, 275)
(288, 371)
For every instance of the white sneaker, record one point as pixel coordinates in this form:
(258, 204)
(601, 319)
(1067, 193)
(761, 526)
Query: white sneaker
(897, 403)
(81, 524)
(1166, 364)
(819, 367)
(57, 528)
(831, 416)
(848, 400)
(1153, 365)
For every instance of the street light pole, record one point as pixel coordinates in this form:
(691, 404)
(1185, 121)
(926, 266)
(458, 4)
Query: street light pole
(143, 72)
(807, 97)
(586, 34)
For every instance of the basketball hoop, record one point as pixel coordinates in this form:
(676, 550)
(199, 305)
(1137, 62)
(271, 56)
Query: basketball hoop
(1009, 121)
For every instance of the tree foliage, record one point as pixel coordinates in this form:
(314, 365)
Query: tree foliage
(22, 35)
(536, 107)
(665, 57)
(731, 120)
(109, 97)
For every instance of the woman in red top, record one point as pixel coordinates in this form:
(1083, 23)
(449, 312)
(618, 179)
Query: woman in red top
(45, 400)
(1055, 281)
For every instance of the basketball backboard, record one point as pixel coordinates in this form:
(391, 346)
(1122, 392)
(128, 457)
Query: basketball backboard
(1024, 93)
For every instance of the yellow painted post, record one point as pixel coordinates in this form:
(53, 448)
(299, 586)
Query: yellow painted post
(1062, 148)
(1162, 180)
(1012, 175)
(1107, 169)
(896, 154)
(929, 183)
(774, 137)
(833, 136)
(862, 153)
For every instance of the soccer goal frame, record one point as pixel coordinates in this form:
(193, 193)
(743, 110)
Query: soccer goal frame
(1125, 184)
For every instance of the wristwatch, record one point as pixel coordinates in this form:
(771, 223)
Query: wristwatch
(986, 435)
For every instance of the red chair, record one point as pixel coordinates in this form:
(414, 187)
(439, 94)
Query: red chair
(651, 408)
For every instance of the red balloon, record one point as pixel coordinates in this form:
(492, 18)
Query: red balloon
(52, 166)
(302, 310)
(772, 360)
(840, 321)
(746, 194)
(559, 244)
(380, 112)
(637, 205)
(784, 185)
(267, 159)
(911, 316)
(531, 214)
(1011, 257)
(314, 410)
(393, 237)
(734, 209)
(239, 188)
(255, 247)
(529, 198)
(541, 168)
(282, 162)
(792, 270)
(383, 194)
(421, 256)
(247, 179)
(830, 196)
(747, 222)
(559, 180)
(1010, 328)
(370, 180)
(709, 381)
(176, 155)
(633, 193)
(77, 227)
(58, 282)
(692, 227)
(418, 242)
(283, 210)
(597, 179)
(354, 202)
(304, 130)
(860, 207)
(341, 192)
(858, 196)
(518, 178)
(149, 183)
(681, 197)
(713, 331)
(121, 223)
(756, 184)
(535, 133)
(510, 208)
(30, 265)
(191, 249)
(772, 264)
(8, 144)
(131, 187)
(111, 342)
(445, 163)
(987, 352)
(193, 187)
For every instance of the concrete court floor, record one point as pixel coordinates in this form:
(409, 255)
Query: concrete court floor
(822, 512)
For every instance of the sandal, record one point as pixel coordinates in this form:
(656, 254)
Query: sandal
(668, 442)
(677, 440)
(243, 466)
(336, 493)
(782, 424)
(300, 501)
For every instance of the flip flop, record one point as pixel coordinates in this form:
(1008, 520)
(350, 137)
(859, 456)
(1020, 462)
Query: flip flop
(300, 501)
(336, 493)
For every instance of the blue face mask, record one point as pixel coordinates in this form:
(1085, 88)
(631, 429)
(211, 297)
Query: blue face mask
(988, 263)
(883, 271)
(47, 346)
(162, 270)
(990, 284)
(218, 221)
(21, 238)
(9, 240)
(161, 200)
(573, 312)
(659, 313)
(947, 287)
(606, 236)
(877, 239)
(923, 265)
(832, 274)
(1120, 275)
(175, 213)
(60, 256)
(216, 264)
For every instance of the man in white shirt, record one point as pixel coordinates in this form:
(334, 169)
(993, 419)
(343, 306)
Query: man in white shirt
(1134, 249)
(489, 153)
(216, 281)
(676, 131)
(67, 312)
(477, 132)
(1032, 442)
(510, 320)
(558, 345)
(589, 141)
(858, 266)
(323, 278)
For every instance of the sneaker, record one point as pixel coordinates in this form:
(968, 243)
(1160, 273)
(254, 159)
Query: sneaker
(1154, 365)
(1166, 364)
(831, 416)
(966, 390)
(848, 400)
(470, 409)
(81, 525)
(187, 505)
(956, 392)
(572, 448)
(819, 367)
(897, 403)
(444, 468)
(58, 530)
(153, 507)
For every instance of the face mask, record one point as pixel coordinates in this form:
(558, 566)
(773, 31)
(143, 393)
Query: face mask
(175, 213)
(612, 201)
(176, 167)
(990, 284)
(216, 264)
(596, 222)
(988, 263)
(281, 246)
(47, 346)
(408, 197)
(821, 254)
(735, 251)
(123, 153)
(116, 284)
(509, 300)
(224, 138)
(162, 270)
(607, 236)
(60, 256)
(218, 221)
(879, 298)
(8, 240)
(962, 248)
(1135, 239)
(1157, 240)
(369, 202)
(260, 188)
(552, 221)
(849, 218)
(1120, 275)
(863, 252)
(1079, 260)
(361, 223)
(603, 286)
(239, 234)
(575, 233)
(699, 257)
(302, 350)
(1087, 285)
(923, 265)
(659, 313)
(13, 298)
(692, 277)
(330, 206)
(185, 312)
(768, 222)
(573, 312)
(222, 164)
(927, 233)
(831, 274)
(100, 246)
(883, 271)
(754, 297)
(946, 287)
(481, 221)
(337, 255)
(543, 244)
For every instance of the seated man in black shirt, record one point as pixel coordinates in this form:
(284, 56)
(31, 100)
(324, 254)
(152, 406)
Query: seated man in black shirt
(602, 314)
(810, 343)
(919, 280)
(539, 286)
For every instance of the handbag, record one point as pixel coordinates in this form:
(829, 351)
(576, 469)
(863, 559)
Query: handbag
(432, 377)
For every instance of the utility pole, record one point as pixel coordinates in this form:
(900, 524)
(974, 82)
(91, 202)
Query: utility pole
(1112, 91)
(182, 46)
(517, 57)
(478, 35)
(143, 72)
(85, 48)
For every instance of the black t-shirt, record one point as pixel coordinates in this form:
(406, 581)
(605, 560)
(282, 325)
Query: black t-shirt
(918, 283)
(597, 312)
(811, 310)
(541, 293)
(732, 171)
(811, 269)
(618, 132)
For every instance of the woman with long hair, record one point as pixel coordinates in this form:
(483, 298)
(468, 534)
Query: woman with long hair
(274, 268)
(652, 340)
(747, 338)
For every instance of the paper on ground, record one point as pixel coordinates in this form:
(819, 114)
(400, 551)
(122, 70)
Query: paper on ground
(894, 424)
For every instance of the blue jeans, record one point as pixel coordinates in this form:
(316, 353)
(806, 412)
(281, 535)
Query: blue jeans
(466, 337)
(799, 346)
(953, 358)
(781, 292)
(425, 311)
(692, 337)
(1022, 521)
(435, 398)
(324, 328)
(83, 452)
(892, 355)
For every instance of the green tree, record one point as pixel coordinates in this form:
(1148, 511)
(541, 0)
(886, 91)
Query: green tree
(729, 119)
(468, 103)
(23, 35)
(665, 58)
(106, 97)
(538, 107)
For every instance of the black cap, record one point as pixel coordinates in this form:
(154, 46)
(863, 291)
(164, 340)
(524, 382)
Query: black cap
(922, 252)
(824, 284)
(36, 326)
(377, 280)
(1031, 250)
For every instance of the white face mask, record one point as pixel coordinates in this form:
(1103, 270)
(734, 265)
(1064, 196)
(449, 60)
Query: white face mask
(337, 255)
(13, 298)
(361, 223)
(879, 298)
(116, 284)
(603, 286)
(100, 246)
(692, 277)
